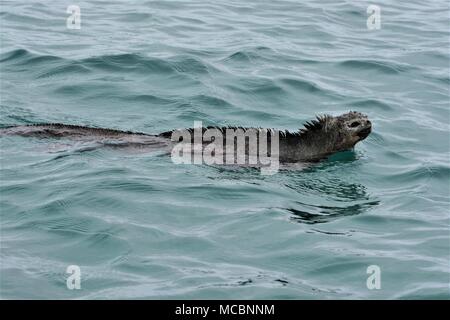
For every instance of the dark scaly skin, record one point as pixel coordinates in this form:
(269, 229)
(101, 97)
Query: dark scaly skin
(318, 139)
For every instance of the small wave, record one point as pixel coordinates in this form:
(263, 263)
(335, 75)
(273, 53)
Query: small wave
(14, 55)
(62, 70)
(25, 57)
(135, 17)
(249, 55)
(263, 86)
(128, 62)
(212, 101)
(421, 171)
(371, 104)
(123, 63)
(240, 56)
(146, 98)
(381, 66)
(189, 65)
(300, 84)
(312, 214)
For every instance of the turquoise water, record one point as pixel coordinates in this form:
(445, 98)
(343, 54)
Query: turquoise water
(139, 226)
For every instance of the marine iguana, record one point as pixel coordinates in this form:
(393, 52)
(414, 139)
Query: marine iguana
(318, 138)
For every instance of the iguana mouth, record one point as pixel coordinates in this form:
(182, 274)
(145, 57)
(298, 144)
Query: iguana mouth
(365, 132)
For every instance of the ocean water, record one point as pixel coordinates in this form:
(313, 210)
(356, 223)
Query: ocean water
(139, 226)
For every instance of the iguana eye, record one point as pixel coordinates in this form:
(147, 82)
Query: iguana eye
(354, 124)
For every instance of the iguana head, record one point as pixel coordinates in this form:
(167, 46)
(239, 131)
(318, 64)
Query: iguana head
(328, 134)
(354, 127)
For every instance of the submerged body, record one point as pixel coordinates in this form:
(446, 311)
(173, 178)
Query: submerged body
(318, 139)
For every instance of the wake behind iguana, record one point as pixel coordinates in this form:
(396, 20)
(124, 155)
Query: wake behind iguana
(318, 138)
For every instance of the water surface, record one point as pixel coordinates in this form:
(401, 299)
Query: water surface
(140, 226)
